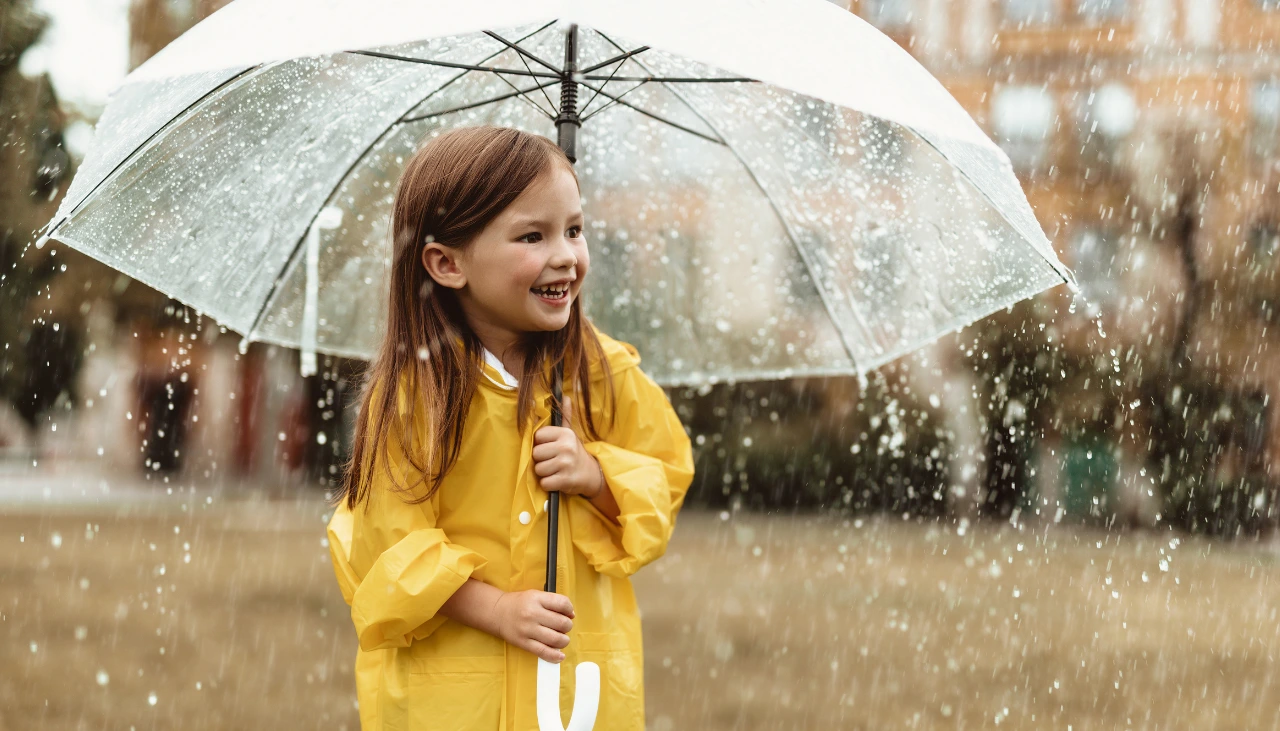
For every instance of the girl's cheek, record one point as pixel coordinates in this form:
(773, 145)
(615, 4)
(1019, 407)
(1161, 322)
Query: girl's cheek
(527, 269)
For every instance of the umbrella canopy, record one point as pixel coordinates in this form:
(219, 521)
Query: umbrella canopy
(787, 194)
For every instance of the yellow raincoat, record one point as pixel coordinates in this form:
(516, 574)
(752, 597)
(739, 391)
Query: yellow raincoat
(397, 563)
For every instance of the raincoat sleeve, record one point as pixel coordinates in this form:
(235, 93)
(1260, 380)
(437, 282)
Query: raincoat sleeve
(647, 462)
(396, 568)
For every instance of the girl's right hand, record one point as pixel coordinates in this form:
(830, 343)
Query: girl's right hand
(536, 621)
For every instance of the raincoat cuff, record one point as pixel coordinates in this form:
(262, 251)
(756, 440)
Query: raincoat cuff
(397, 601)
(639, 485)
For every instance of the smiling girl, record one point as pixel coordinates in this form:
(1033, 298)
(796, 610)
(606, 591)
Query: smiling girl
(439, 536)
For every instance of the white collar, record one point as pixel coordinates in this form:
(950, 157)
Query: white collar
(509, 381)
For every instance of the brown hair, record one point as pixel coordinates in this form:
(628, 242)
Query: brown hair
(451, 188)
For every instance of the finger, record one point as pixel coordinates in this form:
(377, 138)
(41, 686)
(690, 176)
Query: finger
(550, 435)
(545, 451)
(556, 602)
(546, 468)
(556, 621)
(551, 483)
(546, 653)
(550, 638)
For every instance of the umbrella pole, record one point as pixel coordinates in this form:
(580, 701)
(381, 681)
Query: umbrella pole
(586, 700)
(567, 124)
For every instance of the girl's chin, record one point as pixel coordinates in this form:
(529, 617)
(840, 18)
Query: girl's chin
(549, 323)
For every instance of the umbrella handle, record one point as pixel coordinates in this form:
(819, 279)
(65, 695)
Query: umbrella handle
(586, 700)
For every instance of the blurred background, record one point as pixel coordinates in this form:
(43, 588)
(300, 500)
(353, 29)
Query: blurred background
(1063, 516)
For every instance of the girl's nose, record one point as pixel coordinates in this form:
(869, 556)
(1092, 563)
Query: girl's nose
(563, 257)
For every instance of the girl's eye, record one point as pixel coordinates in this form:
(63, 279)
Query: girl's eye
(537, 237)
(575, 232)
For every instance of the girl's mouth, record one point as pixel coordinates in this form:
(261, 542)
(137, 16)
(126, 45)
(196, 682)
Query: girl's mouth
(554, 294)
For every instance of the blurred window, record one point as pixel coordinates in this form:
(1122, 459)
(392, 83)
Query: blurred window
(1093, 258)
(888, 14)
(1029, 11)
(1102, 10)
(1023, 117)
(1104, 118)
(1265, 113)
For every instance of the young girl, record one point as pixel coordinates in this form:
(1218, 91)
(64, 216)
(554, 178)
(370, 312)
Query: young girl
(439, 542)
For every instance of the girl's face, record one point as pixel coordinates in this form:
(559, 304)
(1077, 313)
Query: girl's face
(526, 267)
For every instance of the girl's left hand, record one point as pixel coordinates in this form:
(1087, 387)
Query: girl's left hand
(562, 464)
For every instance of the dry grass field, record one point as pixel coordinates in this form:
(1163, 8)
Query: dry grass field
(214, 611)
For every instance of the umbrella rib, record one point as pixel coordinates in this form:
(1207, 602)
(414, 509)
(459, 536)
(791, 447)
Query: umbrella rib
(451, 65)
(517, 92)
(520, 93)
(583, 111)
(611, 103)
(558, 71)
(615, 59)
(648, 113)
(543, 88)
(791, 234)
(682, 79)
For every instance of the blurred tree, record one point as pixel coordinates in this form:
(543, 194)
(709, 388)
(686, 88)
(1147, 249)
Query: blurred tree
(40, 356)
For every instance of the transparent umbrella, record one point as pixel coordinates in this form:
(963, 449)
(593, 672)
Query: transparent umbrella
(791, 192)
(823, 206)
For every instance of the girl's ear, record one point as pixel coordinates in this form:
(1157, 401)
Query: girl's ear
(441, 262)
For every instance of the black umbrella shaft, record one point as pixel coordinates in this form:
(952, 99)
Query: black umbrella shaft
(567, 124)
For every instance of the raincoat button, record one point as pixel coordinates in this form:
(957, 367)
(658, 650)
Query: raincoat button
(544, 504)
(525, 518)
